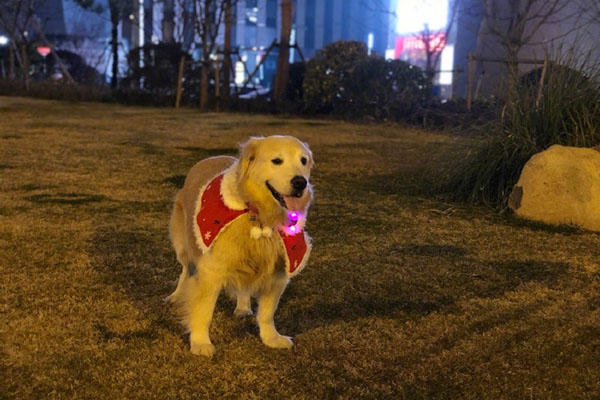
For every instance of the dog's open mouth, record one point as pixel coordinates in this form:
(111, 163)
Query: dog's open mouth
(276, 195)
(289, 202)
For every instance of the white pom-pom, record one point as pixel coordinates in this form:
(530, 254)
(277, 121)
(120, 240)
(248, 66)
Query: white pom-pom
(255, 232)
(267, 231)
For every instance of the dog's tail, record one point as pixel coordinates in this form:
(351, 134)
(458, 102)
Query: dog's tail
(177, 234)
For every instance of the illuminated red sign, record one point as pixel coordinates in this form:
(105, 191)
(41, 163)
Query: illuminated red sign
(416, 43)
(43, 50)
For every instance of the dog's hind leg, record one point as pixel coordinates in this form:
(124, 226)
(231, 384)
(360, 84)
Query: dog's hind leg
(267, 304)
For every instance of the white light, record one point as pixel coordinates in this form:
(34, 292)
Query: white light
(390, 54)
(292, 41)
(370, 40)
(413, 15)
(240, 73)
(446, 65)
(141, 24)
(3, 40)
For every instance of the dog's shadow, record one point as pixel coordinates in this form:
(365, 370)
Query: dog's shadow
(427, 278)
(140, 263)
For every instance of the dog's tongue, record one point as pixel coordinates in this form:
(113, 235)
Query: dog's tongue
(293, 203)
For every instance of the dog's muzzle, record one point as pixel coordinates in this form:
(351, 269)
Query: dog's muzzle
(298, 185)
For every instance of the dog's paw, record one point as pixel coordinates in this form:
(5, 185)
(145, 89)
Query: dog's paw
(203, 349)
(278, 342)
(242, 312)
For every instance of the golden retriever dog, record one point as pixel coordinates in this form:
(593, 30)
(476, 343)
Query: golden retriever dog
(237, 224)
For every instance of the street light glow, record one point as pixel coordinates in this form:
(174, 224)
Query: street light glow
(413, 15)
(3, 40)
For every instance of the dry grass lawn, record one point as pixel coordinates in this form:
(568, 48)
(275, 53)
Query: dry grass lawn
(405, 296)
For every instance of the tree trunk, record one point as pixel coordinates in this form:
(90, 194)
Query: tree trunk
(25, 65)
(11, 63)
(283, 60)
(429, 65)
(512, 74)
(227, 52)
(179, 81)
(204, 85)
(168, 21)
(114, 43)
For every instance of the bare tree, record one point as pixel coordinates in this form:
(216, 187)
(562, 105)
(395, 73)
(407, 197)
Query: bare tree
(283, 59)
(208, 16)
(515, 24)
(434, 42)
(590, 11)
(228, 4)
(117, 9)
(66, 74)
(16, 17)
(591, 8)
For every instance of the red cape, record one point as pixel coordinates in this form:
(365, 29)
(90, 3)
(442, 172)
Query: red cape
(214, 216)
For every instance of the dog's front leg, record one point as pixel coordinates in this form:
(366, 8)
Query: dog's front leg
(267, 304)
(202, 308)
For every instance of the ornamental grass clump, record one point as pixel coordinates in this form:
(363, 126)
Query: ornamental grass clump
(555, 104)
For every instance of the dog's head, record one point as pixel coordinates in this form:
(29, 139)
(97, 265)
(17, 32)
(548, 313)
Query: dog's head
(274, 172)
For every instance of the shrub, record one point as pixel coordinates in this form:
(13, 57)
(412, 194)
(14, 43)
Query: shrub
(56, 90)
(157, 78)
(566, 112)
(344, 80)
(79, 70)
(403, 89)
(327, 74)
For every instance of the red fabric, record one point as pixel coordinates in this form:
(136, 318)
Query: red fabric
(214, 215)
(295, 247)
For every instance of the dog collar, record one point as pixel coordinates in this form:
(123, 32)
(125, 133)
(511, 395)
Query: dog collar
(213, 216)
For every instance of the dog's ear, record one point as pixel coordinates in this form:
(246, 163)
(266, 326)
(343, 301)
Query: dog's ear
(310, 155)
(247, 154)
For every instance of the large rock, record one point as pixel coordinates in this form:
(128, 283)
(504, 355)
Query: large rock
(560, 185)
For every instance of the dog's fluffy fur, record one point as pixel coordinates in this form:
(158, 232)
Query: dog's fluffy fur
(246, 258)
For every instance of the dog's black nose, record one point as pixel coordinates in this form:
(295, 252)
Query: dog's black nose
(299, 183)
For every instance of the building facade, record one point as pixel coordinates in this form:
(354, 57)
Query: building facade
(570, 29)
(315, 23)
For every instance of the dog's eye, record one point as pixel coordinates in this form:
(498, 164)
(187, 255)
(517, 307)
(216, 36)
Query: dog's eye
(303, 160)
(277, 161)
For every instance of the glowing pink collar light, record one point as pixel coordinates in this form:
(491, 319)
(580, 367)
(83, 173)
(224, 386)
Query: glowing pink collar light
(293, 228)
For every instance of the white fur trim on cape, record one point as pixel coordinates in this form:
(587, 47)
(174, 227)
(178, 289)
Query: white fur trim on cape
(229, 189)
